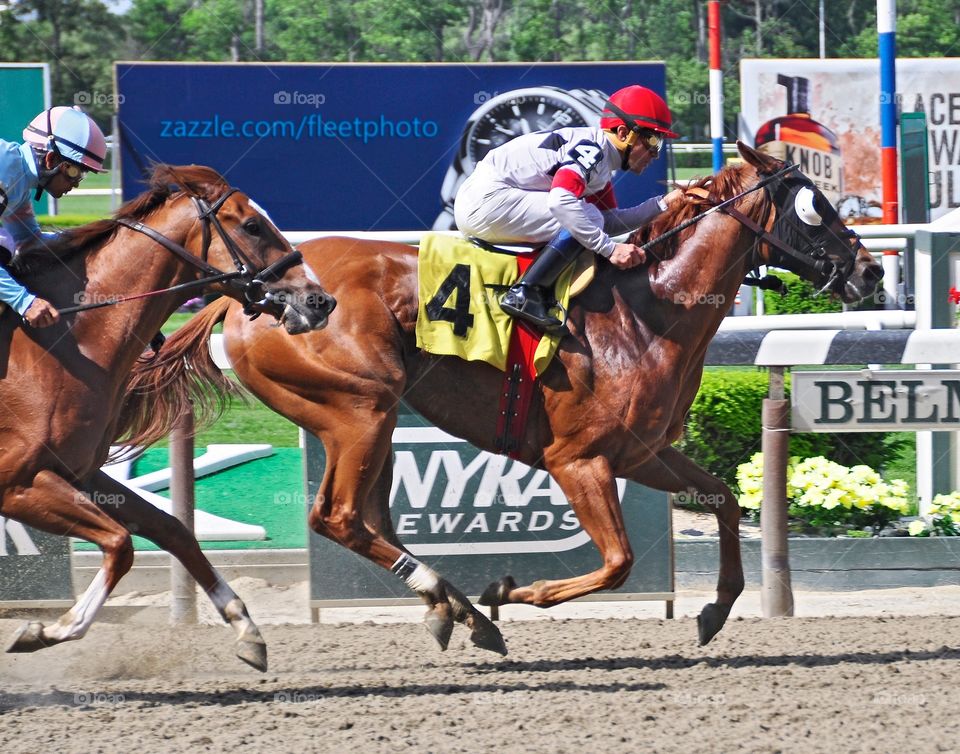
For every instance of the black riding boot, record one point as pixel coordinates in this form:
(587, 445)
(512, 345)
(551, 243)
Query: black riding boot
(532, 297)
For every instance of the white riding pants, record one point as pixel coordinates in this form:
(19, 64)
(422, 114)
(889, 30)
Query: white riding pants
(495, 212)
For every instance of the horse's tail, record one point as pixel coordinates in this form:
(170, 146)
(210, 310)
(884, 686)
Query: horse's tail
(182, 377)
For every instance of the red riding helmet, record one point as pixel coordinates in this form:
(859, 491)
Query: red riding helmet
(644, 107)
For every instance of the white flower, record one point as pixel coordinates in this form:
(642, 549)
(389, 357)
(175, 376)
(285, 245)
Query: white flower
(917, 527)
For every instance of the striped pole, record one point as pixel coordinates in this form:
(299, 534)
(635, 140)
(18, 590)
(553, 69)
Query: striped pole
(887, 34)
(887, 30)
(716, 84)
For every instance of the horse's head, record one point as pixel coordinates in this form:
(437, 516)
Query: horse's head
(234, 234)
(809, 237)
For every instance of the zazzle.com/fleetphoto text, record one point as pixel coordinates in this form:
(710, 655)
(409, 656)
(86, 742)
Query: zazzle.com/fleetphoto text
(309, 126)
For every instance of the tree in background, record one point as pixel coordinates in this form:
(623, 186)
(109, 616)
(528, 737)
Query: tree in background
(78, 38)
(81, 38)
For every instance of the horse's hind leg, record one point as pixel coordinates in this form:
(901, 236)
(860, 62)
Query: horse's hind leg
(137, 515)
(672, 471)
(446, 603)
(591, 489)
(357, 482)
(53, 505)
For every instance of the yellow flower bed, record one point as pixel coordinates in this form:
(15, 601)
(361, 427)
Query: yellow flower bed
(823, 492)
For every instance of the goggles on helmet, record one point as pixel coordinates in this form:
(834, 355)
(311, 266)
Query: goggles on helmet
(72, 171)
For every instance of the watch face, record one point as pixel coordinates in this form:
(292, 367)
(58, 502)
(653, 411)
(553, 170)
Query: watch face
(515, 116)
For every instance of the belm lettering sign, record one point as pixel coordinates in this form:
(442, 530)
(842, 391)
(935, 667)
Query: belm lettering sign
(876, 401)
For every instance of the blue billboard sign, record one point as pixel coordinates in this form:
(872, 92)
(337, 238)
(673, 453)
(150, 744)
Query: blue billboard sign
(357, 146)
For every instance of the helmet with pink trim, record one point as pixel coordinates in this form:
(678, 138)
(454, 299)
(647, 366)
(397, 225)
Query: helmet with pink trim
(70, 133)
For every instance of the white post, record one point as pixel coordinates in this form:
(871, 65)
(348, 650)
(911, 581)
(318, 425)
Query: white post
(183, 589)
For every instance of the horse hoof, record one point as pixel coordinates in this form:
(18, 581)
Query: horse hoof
(254, 653)
(711, 620)
(498, 592)
(485, 634)
(28, 638)
(440, 626)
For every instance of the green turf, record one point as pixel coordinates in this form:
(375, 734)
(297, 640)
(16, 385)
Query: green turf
(98, 206)
(175, 322)
(249, 421)
(266, 491)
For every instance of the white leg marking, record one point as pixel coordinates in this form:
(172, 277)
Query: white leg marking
(231, 607)
(78, 619)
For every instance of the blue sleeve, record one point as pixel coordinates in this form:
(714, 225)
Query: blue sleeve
(13, 294)
(22, 224)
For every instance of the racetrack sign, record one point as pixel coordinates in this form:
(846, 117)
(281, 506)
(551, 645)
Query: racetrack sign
(475, 517)
(875, 401)
(34, 567)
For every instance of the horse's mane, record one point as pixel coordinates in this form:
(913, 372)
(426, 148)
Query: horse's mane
(731, 180)
(164, 182)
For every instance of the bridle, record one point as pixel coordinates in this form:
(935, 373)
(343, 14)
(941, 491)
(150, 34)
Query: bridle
(246, 277)
(786, 234)
(794, 244)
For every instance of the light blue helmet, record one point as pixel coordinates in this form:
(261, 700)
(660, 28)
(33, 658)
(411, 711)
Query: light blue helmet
(70, 133)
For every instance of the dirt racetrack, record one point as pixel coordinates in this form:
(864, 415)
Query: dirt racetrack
(795, 685)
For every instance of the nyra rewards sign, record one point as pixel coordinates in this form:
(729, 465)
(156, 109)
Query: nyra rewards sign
(476, 516)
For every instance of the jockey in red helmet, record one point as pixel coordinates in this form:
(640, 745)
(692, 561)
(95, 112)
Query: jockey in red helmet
(556, 187)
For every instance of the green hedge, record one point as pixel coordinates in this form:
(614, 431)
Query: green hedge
(799, 299)
(723, 430)
(58, 222)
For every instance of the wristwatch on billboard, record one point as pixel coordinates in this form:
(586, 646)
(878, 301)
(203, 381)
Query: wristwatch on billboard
(502, 117)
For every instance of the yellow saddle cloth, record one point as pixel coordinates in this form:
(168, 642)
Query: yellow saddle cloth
(459, 313)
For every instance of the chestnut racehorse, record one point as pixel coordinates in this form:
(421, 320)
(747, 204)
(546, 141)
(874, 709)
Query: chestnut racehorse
(61, 387)
(610, 404)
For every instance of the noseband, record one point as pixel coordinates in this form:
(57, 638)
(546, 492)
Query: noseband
(246, 277)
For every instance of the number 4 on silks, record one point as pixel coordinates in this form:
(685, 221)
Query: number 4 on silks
(457, 281)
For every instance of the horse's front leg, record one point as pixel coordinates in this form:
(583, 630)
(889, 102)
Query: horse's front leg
(142, 518)
(591, 490)
(53, 505)
(672, 471)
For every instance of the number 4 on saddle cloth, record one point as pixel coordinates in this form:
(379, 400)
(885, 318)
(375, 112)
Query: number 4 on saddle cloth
(459, 315)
